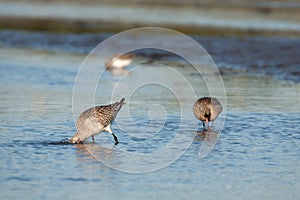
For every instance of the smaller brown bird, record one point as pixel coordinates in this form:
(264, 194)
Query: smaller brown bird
(96, 120)
(207, 109)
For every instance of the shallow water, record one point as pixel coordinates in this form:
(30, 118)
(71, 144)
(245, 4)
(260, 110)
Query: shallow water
(255, 157)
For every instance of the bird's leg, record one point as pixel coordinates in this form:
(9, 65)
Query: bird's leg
(115, 138)
(207, 124)
(108, 129)
(203, 124)
(199, 126)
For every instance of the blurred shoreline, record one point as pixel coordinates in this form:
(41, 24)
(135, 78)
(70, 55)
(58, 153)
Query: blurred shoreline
(267, 17)
(235, 56)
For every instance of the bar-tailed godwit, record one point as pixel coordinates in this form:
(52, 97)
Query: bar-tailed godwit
(96, 120)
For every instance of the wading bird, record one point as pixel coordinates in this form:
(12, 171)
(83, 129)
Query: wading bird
(119, 61)
(207, 109)
(96, 120)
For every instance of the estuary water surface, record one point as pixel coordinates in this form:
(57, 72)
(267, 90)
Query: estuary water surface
(257, 156)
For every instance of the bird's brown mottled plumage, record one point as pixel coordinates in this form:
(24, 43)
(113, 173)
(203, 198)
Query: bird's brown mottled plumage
(95, 120)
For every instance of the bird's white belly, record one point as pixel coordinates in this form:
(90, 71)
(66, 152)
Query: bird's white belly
(89, 128)
(121, 63)
(93, 126)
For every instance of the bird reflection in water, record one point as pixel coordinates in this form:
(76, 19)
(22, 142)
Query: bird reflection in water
(206, 136)
(94, 151)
